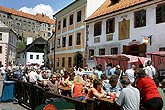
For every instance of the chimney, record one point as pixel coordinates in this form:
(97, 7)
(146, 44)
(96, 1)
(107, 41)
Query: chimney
(29, 40)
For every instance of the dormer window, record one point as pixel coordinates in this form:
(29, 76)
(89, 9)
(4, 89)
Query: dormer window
(114, 1)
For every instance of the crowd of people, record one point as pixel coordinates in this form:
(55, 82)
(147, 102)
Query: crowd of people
(129, 90)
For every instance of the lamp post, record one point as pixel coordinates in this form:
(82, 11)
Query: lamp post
(54, 44)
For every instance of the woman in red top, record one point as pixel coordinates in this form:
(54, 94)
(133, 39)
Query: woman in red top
(77, 88)
(97, 90)
(151, 97)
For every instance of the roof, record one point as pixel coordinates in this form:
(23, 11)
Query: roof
(107, 7)
(36, 46)
(160, 53)
(37, 17)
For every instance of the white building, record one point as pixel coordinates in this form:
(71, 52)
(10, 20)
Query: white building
(8, 41)
(120, 26)
(34, 53)
(27, 25)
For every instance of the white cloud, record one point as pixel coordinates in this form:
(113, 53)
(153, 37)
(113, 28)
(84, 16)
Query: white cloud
(40, 8)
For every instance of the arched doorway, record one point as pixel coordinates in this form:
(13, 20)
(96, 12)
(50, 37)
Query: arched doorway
(78, 60)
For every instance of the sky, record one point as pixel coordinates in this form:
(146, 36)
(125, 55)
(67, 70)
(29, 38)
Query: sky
(48, 7)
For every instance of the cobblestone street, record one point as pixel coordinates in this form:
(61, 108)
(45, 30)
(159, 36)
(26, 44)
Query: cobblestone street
(9, 105)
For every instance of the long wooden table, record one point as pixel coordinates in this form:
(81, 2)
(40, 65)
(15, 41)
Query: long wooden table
(65, 91)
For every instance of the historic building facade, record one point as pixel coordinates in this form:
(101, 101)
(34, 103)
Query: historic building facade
(8, 39)
(131, 27)
(27, 25)
(70, 38)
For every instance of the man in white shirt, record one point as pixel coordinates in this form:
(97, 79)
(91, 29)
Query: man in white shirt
(129, 98)
(131, 74)
(33, 76)
(149, 69)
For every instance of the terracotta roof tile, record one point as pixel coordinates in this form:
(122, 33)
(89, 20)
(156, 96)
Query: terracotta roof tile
(38, 17)
(106, 7)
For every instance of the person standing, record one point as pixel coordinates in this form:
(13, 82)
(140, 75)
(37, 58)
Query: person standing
(150, 70)
(2, 72)
(131, 74)
(107, 69)
(151, 99)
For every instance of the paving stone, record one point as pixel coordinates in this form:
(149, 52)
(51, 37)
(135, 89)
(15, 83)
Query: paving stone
(9, 105)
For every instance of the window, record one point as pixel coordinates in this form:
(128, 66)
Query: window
(110, 26)
(140, 18)
(160, 13)
(59, 25)
(0, 49)
(78, 40)
(58, 43)
(31, 56)
(114, 1)
(97, 28)
(0, 36)
(70, 40)
(63, 62)
(162, 49)
(71, 20)
(18, 24)
(63, 41)
(101, 51)
(69, 62)
(78, 16)
(91, 54)
(114, 50)
(37, 56)
(64, 22)
(58, 62)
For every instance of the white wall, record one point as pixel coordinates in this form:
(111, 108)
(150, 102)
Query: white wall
(151, 28)
(34, 60)
(4, 49)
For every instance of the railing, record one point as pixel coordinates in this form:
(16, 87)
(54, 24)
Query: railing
(32, 95)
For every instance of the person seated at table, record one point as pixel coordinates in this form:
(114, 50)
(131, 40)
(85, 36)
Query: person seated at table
(115, 86)
(96, 91)
(69, 81)
(54, 83)
(129, 98)
(77, 88)
(105, 82)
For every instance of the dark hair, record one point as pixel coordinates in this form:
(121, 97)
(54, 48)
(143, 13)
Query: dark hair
(85, 75)
(149, 63)
(141, 73)
(113, 78)
(96, 82)
(125, 82)
(141, 66)
(103, 76)
(156, 82)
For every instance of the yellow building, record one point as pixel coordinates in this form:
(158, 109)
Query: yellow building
(70, 37)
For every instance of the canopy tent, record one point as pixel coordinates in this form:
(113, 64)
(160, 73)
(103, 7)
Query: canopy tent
(158, 58)
(122, 59)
